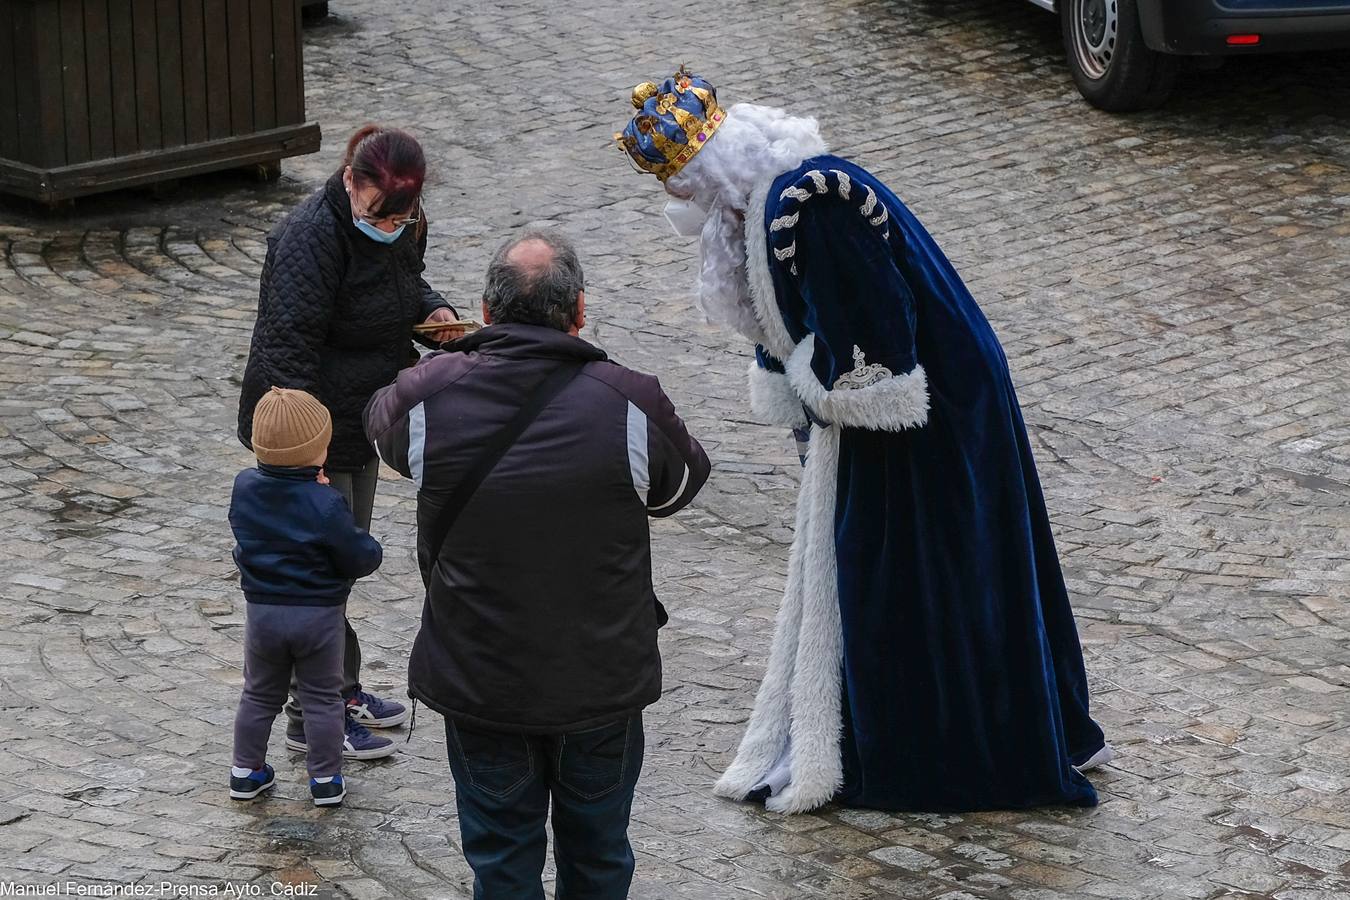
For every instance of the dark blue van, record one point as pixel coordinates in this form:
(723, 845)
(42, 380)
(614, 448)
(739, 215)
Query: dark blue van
(1124, 54)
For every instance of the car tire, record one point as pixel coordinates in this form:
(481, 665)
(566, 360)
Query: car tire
(1113, 68)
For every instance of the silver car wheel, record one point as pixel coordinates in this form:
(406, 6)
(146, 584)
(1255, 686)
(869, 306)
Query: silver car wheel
(1094, 26)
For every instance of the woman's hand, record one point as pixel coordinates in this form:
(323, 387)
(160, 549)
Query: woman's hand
(443, 314)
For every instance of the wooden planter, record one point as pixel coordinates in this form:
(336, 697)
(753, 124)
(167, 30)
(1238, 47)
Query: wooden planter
(103, 94)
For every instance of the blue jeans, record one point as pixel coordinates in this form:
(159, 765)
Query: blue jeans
(503, 783)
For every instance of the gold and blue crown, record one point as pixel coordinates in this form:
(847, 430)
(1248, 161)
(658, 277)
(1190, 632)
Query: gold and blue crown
(673, 121)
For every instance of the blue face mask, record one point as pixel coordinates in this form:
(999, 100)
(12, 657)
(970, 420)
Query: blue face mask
(375, 234)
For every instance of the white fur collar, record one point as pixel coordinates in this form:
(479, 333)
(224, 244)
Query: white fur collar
(776, 338)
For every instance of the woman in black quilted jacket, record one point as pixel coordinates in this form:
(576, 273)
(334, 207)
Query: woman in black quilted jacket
(341, 290)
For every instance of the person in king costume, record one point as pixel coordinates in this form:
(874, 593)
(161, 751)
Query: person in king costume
(925, 655)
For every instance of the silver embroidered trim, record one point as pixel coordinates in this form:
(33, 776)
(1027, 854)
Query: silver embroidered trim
(822, 186)
(786, 252)
(795, 193)
(879, 217)
(782, 222)
(845, 184)
(862, 375)
(870, 203)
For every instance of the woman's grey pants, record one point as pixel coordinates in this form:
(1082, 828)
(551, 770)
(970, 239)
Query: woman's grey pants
(358, 489)
(299, 646)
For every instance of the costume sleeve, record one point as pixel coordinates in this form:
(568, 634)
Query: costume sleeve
(858, 366)
(299, 291)
(355, 553)
(668, 466)
(771, 395)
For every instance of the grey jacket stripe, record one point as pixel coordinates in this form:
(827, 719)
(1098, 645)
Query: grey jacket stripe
(417, 442)
(639, 464)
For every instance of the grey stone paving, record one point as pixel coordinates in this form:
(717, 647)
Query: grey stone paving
(1171, 289)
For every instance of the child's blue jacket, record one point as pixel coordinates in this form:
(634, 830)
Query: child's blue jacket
(298, 544)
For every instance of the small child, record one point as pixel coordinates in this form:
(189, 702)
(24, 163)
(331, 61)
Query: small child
(298, 553)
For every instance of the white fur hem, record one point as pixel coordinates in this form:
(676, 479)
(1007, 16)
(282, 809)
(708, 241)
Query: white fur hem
(897, 403)
(798, 704)
(762, 295)
(772, 398)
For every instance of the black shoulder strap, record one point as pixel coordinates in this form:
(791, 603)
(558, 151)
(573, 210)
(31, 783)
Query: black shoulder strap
(491, 454)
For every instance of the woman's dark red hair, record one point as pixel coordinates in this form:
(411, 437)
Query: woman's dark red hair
(391, 161)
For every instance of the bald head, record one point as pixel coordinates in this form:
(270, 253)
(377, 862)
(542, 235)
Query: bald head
(531, 254)
(535, 279)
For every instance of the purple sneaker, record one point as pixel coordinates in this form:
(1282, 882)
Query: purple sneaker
(358, 743)
(372, 712)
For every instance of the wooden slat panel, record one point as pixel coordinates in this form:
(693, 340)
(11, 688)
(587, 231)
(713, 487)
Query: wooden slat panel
(195, 122)
(98, 65)
(9, 95)
(74, 87)
(299, 59)
(264, 78)
(241, 68)
(290, 86)
(158, 165)
(145, 46)
(126, 137)
(26, 107)
(47, 129)
(169, 49)
(215, 26)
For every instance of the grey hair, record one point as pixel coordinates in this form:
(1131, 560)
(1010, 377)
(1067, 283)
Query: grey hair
(544, 295)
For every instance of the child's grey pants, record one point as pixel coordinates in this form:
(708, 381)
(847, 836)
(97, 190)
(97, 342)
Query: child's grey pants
(358, 489)
(306, 640)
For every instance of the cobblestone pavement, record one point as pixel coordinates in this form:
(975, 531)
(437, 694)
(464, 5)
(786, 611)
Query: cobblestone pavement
(1171, 289)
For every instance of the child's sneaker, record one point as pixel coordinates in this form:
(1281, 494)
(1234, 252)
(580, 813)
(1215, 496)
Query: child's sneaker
(358, 743)
(327, 791)
(372, 712)
(245, 784)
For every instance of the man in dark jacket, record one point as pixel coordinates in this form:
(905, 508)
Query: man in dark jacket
(538, 639)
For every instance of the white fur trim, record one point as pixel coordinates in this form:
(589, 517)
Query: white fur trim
(772, 398)
(800, 694)
(776, 338)
(897, 403)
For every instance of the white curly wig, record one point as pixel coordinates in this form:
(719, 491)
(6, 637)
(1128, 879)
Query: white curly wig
(754, 143)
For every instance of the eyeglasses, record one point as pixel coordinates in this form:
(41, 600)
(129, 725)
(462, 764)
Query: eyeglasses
(398, 223)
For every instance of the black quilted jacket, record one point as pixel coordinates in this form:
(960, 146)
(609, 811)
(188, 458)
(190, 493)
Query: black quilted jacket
(335, 316)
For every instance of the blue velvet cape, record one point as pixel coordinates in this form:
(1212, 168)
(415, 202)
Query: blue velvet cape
(962, 677)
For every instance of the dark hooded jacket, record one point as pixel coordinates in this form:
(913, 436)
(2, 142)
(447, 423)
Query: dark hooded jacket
(335, 316)
(540, 613)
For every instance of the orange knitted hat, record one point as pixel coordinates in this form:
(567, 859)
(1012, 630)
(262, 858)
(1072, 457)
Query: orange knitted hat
(290, 428)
